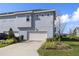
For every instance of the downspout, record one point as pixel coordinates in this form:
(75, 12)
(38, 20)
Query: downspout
(54, 18)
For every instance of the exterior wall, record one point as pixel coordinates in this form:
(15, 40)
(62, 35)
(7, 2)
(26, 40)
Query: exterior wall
(24, 33)
(14, 22)
(44, 22)
(8, 22)
(21, 20)
(40, 22)
(77, 32)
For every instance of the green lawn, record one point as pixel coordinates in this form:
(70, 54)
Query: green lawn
(73, 52)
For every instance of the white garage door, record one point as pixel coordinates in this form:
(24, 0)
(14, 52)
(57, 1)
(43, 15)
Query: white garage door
(37, 36)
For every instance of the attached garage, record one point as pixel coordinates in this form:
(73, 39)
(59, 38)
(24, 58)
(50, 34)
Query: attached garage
(37, 36)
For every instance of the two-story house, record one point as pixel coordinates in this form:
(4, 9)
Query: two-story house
(32, 24)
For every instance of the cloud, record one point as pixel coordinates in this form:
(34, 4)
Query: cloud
(70, 17)
(75, 16)
(64, 18)
(68, 21)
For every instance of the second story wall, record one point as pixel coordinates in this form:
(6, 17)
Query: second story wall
(44, 22)
(15, 21)
(7, 22)
(23, 20)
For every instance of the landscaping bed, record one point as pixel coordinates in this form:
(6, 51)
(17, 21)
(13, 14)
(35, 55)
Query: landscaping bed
(10, 38)
(74, 51)
(6, 42)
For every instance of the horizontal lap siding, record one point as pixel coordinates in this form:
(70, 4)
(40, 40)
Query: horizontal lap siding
(7, 23)
(45, 23)
(24, 33)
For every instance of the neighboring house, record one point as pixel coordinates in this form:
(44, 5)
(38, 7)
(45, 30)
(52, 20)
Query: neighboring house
(76, 31)
(32, 24)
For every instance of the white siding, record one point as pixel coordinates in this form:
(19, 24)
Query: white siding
(22, 21)
(6, 24)
(24, 33)
(45, 23)
(77, 32)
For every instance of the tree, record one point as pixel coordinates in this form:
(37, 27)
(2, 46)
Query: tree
(59, 28)
(11, 33)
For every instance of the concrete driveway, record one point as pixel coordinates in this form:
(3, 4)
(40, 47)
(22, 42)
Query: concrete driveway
(27, 48)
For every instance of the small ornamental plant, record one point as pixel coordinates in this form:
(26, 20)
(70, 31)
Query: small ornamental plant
(11, 33)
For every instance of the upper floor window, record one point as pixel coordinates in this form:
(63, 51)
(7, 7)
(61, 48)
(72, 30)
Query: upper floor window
(42, 14)
(48, 14)
(27, 19)
(37, 15)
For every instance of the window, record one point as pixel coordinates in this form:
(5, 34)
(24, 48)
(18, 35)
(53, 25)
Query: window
(37, 15)
(27, 19)
(42, 14)
(48, 14)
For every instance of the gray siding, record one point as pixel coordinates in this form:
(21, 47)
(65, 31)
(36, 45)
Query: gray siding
(14, 22)
(21, 20)
(7, 23)
(42, 22)
(45, 23)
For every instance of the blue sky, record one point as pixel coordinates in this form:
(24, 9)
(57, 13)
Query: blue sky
(61, 8)
(65, 10)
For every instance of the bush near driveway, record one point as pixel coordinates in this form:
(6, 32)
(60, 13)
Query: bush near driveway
(9, 41)
(10, 38)
(6, 42)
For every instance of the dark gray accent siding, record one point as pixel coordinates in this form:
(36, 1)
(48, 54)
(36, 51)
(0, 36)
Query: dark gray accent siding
(54, 18)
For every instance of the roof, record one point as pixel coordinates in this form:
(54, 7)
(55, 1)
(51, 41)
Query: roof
(26, 11)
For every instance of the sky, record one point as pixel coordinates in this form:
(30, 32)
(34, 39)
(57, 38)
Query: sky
(60, 8)
(68, 12)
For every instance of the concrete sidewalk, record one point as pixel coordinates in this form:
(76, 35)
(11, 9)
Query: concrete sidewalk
(27, 48)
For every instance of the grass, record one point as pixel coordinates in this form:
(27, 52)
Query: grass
(73, 52)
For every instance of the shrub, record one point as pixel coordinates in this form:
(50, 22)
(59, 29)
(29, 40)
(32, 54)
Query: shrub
(55, 45)
(49, 45)
(9, 41)
(4, 43)
(11, 33)
(70, 38)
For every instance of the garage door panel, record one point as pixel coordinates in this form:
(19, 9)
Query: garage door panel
(37, 36)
